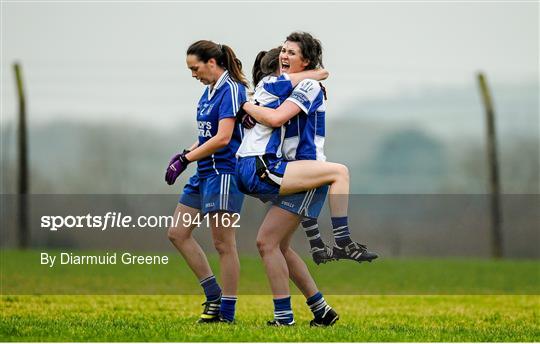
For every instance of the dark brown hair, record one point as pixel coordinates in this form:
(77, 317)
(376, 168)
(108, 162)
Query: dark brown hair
(310, 47)
(224, 56)
(266, 63)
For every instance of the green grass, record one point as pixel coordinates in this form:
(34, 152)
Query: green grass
(363, 318)
(23, 274)
(388, 300)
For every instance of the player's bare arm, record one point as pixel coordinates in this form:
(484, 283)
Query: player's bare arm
(194, 145)
(315, 74)
(272, 117)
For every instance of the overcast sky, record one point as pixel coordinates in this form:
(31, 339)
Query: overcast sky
(126, 60)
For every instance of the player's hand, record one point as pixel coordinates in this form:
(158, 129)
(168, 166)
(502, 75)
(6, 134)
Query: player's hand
(177, 165)
(174, 158)
(241, 112)
(248, 122)
(177, 156)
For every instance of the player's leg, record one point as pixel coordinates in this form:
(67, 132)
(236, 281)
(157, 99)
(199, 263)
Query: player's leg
(297, 176)
(222, 202)
(311, 229)
(337, 176)
(323, 314)
(224, 237)
(298, 271)
(320, 252)
(309, 205)
(182, 238)
(276, 226)
(303, 175)
(180, 234)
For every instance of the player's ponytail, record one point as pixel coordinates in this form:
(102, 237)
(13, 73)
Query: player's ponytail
(256, 71)
(233, 65)
(224, 56)
(266, 63)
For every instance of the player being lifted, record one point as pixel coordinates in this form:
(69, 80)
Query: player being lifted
(264, 173)
(298, 138)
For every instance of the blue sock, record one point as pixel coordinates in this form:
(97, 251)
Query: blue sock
(342, 236)
(283, 311)
(317, 304)
(228, 306)
(311, 227)
(211, 288)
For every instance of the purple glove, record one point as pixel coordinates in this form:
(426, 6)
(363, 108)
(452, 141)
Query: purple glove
(178, 165)
(177, 156)
(248, 122)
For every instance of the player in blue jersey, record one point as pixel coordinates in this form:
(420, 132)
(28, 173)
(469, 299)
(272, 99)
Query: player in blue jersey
(270, 177)
(300, 138)
(272, 89)
(307, 203)
(213, 188)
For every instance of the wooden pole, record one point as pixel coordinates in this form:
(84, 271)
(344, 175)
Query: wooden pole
(493, 164)
(22, 190)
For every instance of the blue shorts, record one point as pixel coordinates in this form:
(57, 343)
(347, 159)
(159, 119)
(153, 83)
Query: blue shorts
(214, 193)
(306, 204)
(259, 177)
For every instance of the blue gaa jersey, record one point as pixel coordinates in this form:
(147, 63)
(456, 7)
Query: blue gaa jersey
(222, 101)
(271, 92)
(304, 134)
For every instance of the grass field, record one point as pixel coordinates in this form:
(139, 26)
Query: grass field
(22, 273)
(363, 318)
(465, 300)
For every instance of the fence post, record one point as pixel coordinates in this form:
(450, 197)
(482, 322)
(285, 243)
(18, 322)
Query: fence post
(493, 164)
(22, 189)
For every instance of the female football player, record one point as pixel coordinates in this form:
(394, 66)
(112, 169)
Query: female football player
(269, 175)
(213, 188)
(272, 89)
(278, 86)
